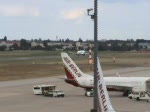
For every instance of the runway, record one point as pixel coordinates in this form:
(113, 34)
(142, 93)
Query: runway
(17, 96)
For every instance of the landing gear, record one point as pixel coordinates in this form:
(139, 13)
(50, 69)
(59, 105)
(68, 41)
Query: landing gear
(138, 99)
(130, 97)
(89, 92)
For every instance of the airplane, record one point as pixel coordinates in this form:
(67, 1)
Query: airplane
(81, 52)
(104, 104)
(77, 78)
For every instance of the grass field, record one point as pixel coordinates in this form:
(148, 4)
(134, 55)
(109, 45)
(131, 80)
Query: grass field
(32, 64)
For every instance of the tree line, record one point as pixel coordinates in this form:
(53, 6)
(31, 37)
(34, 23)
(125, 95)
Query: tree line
(111, 45)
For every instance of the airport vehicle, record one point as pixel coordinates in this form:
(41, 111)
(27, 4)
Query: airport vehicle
(80, 52)
(90, 93)
(54, 93)
(140, 96)
(140, 93)
(39, 89)
(103, 97)
(77, 78)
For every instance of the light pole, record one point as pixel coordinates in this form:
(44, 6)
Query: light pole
(94, 17)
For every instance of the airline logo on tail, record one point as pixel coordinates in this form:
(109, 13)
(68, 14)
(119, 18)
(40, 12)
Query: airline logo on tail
(103, 97)
(74, 75)
(73, 68)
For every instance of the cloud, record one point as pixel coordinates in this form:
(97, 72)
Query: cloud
(73, 14)
(13, 10)
(125, 1)
(118, 19)
(36, 13)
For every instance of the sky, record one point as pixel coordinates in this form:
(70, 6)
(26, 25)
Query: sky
(62, 19)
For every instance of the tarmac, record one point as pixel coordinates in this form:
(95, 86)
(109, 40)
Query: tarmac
(17, 96)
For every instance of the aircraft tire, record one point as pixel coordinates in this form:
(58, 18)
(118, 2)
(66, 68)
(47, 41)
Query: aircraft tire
(137, 99)
(130, 97)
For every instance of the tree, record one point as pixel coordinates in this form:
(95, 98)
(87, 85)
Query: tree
(25, 45)
(38, 47)
(45, 44)
(80, 40)
(102, 46)
(2, 48)
(124, 47)
(15, 46)
(136, 46)
(67, 40)
(115, 46)
(40, 40)
(5, 38)
(62, 40)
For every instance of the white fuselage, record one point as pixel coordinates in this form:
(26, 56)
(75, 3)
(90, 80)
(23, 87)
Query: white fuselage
(79, 79)
(121, 82)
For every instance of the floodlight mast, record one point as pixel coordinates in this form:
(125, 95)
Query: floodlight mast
(94, 17)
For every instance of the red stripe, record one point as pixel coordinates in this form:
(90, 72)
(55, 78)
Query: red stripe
(68, 74)
(73, 80)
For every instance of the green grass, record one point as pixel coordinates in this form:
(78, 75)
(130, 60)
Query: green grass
(27, 53)
(43, 67)
(125, 54)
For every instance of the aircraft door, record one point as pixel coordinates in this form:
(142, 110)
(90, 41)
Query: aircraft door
(148, 85)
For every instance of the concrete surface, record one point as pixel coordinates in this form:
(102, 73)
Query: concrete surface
(17, 96)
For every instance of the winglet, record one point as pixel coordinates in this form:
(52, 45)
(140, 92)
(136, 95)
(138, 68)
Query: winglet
(103, 97)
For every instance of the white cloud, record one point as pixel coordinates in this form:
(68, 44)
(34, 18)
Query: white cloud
(33, 12)
(36, 13)
(118, 19)
(73, 14)
(12, 10)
